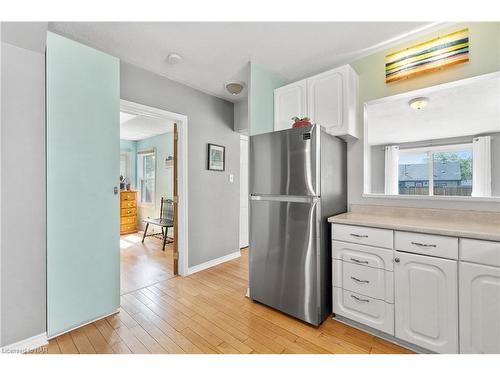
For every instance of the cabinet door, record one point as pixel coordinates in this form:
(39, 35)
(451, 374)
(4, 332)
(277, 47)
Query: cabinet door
(325, 100)
(289, 101)
(479, 309)
(426, 302)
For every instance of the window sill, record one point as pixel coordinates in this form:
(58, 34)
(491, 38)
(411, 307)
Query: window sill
(432, 198)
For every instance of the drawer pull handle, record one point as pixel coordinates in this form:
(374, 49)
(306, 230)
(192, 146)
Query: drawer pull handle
(360, 281)
(359, 261)
(423, 244)
(359, 235)
(359, 299)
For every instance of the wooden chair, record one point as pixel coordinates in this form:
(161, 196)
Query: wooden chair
(165, 221)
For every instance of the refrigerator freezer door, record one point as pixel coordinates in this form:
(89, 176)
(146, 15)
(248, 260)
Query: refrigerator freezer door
(283, 256)
(285, 162)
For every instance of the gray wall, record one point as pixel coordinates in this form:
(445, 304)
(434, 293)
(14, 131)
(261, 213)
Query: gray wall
(213, 201)
(23, 291)
(241, 117)
(378, 169)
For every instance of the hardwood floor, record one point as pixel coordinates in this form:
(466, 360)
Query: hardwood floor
(208, 313)
(143, 264)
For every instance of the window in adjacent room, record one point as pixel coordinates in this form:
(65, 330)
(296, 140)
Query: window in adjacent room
(146, 176)
(125, 167)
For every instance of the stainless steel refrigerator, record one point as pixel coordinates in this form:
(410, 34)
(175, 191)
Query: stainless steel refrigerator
(297, 180)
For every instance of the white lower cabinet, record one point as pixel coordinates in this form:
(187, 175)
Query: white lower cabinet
(479, 308)
(370, 311)
(439, 293)
(426, 302)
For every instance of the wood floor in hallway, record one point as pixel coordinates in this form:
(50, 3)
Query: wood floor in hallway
(143, 264)
(208, 312)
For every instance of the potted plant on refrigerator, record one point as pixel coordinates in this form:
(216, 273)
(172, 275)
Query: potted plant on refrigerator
(301, 122)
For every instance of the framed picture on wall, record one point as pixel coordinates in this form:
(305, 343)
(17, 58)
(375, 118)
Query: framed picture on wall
(216, 157)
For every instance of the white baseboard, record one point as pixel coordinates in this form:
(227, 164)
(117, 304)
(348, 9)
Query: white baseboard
(214, 262)
(26, 345)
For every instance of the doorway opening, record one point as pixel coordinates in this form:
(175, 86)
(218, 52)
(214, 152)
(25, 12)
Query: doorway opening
(153, 196)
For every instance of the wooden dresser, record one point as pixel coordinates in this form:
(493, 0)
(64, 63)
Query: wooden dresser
(128, 212)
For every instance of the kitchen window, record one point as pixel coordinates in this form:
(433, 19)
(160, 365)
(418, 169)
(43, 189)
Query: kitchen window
(146, 176)
(438, 170)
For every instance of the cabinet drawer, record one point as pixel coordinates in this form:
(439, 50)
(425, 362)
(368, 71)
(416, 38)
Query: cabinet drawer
(128, 220)
(128, 204)
(363, 235)
(371, 282)
(363, 255)
(427, 244)
(477, 251)
(128, 228)
(128, 212)
(366, 310)
(127, 196)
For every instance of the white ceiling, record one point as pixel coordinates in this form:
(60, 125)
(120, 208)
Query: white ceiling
(215, 52)
(135, 128)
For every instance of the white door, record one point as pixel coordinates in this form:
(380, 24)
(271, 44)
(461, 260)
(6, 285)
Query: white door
(243, 191)
(289, 101)
(479, 309)
(325, 104)
(426, 302)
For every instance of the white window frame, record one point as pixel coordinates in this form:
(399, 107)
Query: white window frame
(128, 164)
(140, 179)
(430, 150)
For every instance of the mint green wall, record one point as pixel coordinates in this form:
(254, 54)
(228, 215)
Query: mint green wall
(164, 146)
(261, 99)
(126, 145)
(484, 58)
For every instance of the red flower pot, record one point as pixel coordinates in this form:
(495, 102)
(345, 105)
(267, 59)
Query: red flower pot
(301, 123)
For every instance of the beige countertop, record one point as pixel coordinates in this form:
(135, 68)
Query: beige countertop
(468, 224)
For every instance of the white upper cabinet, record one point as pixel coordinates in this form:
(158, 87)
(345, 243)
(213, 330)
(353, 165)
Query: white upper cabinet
(329, 99)
(479, 309)
(326, 102)
(289, 101)
(426, 302)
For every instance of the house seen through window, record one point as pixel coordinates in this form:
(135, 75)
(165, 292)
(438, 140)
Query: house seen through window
(442, 170)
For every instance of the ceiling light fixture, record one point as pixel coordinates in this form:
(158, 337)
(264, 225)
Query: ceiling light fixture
(418, 103)
(234, 87)
(174, 58)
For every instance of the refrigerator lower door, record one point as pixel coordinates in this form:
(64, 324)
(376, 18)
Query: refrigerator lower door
(283, 255)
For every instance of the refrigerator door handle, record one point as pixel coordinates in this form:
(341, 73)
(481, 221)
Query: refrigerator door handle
(284, 198)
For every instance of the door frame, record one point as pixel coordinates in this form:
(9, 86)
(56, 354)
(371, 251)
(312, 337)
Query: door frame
(182, 170)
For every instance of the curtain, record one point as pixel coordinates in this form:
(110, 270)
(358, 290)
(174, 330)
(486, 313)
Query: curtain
(391, 170)
(481, 167)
